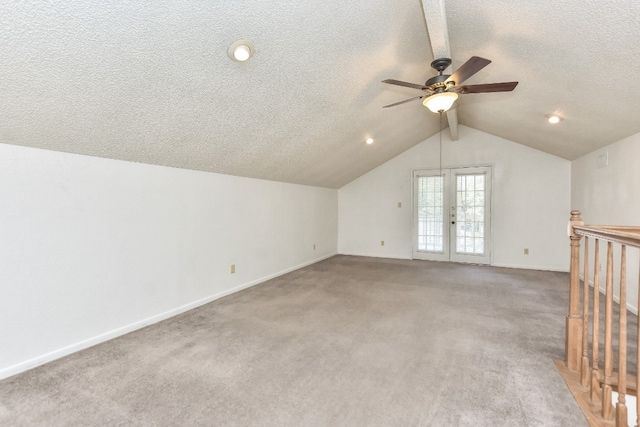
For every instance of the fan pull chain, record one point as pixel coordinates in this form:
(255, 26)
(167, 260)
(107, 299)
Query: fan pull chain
(441, 144)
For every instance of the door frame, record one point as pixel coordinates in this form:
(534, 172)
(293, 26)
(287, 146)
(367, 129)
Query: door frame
(489, 219)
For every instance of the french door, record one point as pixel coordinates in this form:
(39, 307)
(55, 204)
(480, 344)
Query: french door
(451, 215)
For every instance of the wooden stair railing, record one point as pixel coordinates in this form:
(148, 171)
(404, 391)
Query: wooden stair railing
(591, 386)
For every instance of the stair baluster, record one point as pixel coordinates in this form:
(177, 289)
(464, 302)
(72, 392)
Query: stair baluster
(621, 406)
(584, 365)
(595, 336)
(607, 406)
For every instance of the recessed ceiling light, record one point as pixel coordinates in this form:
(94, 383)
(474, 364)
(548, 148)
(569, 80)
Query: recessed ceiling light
(369, 141)
(554, 118)
(241, 50)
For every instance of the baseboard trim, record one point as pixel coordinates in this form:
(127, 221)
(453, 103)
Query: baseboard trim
(529, 267)
(616, 298)
(65, 351)
(521, 267)
(373, 255)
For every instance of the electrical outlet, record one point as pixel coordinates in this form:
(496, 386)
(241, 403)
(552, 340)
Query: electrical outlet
(233, 268)
(314, 246)
(399, 204)
(526, 251)
(381, 242)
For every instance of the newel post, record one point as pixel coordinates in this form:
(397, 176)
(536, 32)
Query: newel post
(573, 337)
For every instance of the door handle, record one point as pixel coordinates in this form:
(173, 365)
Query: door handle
(453, 222)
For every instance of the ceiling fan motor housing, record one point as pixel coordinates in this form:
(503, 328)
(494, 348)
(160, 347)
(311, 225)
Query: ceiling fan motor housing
(437, 82)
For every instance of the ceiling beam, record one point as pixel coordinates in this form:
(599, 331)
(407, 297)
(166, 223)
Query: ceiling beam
(452, 118)
(436, 18)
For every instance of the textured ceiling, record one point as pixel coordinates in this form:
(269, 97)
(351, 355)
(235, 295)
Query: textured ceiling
(580, 58)
(151, 81)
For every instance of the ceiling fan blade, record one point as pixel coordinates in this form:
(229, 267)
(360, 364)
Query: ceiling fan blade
(406, 100)
(488, 87)
(399, 83)
(468, 69)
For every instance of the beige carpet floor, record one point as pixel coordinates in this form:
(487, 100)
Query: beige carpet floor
(350, 341)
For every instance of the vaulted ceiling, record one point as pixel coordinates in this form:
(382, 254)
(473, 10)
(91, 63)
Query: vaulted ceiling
(151, 82)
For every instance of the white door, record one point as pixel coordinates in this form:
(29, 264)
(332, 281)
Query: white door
(452, 215)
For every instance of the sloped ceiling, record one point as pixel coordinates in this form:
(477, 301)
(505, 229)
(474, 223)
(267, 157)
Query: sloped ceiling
(151, 82)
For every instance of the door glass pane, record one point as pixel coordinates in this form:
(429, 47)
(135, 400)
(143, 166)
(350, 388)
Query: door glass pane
(470, 192)
(430, 214)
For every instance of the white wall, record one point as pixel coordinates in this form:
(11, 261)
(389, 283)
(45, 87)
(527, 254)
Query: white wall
(530, 209)
(92, 248)
(610, 196)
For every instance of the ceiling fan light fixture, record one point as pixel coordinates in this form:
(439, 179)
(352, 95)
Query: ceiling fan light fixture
(554, 118)
(241, 51)
(440, 102)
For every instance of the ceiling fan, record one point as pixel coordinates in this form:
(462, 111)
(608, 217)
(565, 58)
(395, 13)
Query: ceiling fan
(442, 90)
